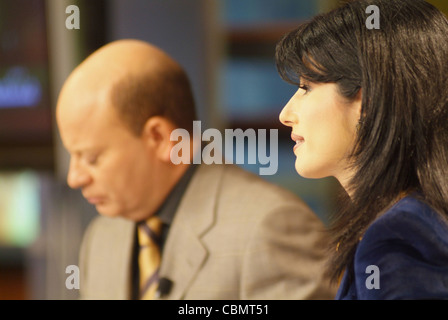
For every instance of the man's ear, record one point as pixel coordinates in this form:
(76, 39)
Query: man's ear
(156, 135)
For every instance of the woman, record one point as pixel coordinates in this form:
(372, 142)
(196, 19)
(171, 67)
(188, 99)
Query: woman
(372, 111)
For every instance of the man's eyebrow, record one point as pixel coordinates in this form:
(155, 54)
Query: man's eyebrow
(83, 150)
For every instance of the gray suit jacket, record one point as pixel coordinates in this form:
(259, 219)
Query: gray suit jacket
(234, 236)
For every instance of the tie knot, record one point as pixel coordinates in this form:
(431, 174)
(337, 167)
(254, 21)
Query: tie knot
(149, 231)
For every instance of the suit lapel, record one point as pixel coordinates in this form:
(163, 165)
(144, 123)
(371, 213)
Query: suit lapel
(110, 272)
(184, 253)
(124, 253)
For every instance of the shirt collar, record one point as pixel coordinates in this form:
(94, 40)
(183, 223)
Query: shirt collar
(169, 207)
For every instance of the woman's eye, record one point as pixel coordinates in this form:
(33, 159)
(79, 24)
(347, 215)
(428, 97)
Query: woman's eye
(304, 87)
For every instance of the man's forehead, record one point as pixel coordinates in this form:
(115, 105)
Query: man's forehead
(84, 117)
(80, 100)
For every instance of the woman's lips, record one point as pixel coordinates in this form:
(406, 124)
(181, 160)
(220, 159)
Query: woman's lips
(299, 140)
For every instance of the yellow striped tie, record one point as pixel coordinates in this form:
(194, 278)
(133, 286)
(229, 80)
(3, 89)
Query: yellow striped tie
(149, 256)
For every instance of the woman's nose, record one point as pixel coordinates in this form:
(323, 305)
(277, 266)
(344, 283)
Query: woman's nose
(287, 117)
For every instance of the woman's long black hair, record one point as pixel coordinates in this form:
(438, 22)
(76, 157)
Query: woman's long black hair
(402, 72)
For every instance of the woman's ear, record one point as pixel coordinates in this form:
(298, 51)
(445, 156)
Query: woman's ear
(156, 136)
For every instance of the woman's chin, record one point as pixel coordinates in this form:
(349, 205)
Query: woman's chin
(308, 173)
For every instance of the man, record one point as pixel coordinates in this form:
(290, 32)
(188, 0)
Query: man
(226, 234)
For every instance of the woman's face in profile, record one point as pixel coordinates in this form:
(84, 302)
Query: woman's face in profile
(323, 125)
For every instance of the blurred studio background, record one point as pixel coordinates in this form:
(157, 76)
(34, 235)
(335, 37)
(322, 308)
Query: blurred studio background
(226, 47)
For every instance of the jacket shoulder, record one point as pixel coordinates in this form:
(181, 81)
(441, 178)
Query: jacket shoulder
(252, 186)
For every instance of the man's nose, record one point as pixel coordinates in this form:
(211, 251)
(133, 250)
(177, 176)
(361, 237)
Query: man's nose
(77, 177)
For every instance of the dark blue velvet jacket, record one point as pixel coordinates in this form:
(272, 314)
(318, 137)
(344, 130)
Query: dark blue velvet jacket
(409, 245)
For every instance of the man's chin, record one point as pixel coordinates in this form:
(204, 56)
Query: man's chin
(107, 212)
(115, 213)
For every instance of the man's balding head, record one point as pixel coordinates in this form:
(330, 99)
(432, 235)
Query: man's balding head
(139, 80)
